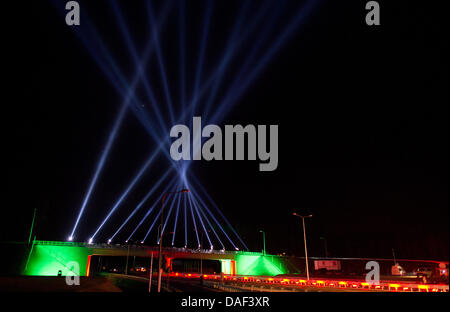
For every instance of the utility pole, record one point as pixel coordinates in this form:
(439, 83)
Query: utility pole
(304, 238)
(201, 257)
(161, 234)
(126, 265)
(151, 274)
(29, 254)
(264, 241)
(306, 250)
(32, 226)
(201, 254)
(29, 240)
(160, 242)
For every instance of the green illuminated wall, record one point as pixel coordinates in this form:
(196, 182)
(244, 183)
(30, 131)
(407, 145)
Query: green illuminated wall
(226, 266)
(259, 265)
(48, 260)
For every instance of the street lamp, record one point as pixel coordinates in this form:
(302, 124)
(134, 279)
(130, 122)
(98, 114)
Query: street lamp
(164, 234)
(304, 237)
(161, 234)
(264, 241)
(128, 255)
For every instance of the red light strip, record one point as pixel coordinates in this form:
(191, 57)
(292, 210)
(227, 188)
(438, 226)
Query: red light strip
(88, 266)
(330, 283)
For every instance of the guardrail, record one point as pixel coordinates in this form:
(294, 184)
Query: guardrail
(321, 283)
(141, 247)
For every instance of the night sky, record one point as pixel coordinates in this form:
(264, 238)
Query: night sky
(362, 114)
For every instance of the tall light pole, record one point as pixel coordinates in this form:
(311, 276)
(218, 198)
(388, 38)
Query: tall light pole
(128, 255)
(264, 241)
(32, 226)
(161, 235)
(151, 274)
(304, 237)
(201, 257)
(201, 254)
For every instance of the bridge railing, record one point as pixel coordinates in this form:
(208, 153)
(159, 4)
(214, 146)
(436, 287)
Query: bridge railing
(56, 243)
(291, 284)
(143, 247)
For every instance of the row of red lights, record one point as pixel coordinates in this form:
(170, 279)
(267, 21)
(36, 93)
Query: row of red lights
(320, 283)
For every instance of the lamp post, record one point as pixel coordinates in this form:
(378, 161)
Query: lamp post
(201, 254)
(201, 257)
(128, 255)
(161, 234)
(151, 274)
(32, 226)
(264, 241)
(304, 238)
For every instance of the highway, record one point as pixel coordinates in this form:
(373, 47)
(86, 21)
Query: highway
(177, 282)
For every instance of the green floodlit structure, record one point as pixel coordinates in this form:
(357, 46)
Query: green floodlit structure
(259, 265)
(48, 260)
(66, 258)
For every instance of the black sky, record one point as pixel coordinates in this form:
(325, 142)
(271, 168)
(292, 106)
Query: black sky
(362, 114)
